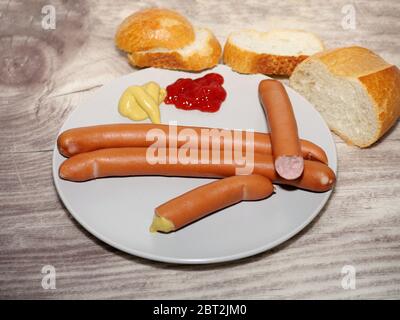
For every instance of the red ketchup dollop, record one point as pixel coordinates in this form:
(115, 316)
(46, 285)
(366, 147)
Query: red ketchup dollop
(205, 94)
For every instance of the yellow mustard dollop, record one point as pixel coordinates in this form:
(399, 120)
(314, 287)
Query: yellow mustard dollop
(141, 102)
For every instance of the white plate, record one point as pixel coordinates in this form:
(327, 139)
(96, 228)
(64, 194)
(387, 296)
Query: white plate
(120, 210)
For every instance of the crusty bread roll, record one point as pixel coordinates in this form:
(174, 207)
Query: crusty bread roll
(276, 52)
(165, 39)
(355, 90)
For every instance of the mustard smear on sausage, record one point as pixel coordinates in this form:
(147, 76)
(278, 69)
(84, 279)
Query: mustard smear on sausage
(161, 224)
(142, 102)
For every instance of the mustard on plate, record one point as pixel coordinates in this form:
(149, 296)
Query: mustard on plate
(142, 102)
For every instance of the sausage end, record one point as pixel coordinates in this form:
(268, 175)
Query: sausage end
(289, 168)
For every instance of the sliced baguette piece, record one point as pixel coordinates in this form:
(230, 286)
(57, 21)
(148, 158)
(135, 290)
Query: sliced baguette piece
(276, 52)
(201, 54)
(355, 90)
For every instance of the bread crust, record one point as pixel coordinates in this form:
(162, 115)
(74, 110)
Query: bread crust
(154, 28)
(353, 61)
(380, 80)
(248, 62)
(174, 60)
(384, 89)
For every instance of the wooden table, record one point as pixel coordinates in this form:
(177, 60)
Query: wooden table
(45, 74)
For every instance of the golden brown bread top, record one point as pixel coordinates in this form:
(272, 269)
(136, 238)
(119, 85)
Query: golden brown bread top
(346, 61)
(154, 28)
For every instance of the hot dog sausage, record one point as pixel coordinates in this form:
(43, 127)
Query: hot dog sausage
(285, 142)
(84, 139)
(133, 161)
(199, 202)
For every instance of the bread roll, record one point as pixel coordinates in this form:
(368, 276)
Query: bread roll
(275, 53)
(163, 38)
(355, 90)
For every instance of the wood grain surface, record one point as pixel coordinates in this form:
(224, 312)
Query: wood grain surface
(45, 74)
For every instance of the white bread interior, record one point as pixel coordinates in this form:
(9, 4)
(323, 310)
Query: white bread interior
(356, 92)
(277, 42)
(276, 52)
(204, 52)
